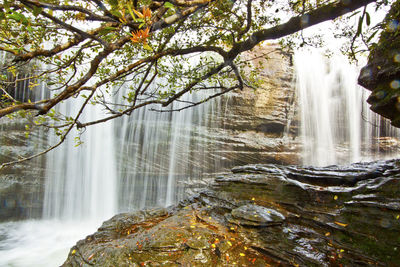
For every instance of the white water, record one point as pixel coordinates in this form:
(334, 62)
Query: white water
(81, 182)
(39, 243)
(337, 126)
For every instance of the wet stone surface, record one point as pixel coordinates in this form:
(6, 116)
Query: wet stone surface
(254, 215)
(263, 215)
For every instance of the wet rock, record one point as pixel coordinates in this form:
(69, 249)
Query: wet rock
(381, 74)
(21, 185)
(253, 215)
(262, 215)
(254, 123)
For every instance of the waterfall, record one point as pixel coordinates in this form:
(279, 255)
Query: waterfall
(136, 162)
(81, 180)
(337, 126)
(160, 151)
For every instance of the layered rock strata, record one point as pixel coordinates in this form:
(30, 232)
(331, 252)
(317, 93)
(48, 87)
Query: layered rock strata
(263, 215)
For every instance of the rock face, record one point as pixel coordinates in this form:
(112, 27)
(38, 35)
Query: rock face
(254, 122)
(382, 73)
(263, 215)
(21, 186)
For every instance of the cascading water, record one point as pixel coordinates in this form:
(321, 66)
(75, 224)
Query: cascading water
(139, 161)
(337, 126)
(159, 151)
(81, 182)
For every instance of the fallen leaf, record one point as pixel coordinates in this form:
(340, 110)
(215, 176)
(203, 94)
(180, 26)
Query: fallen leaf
(241, 254)
(341, 224)
(327, 234)
(335, 197)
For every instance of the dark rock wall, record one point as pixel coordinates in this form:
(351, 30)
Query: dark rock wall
(21, 185)
(382, 73)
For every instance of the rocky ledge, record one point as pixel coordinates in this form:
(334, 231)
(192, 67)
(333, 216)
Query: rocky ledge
(382, 73)
(263, 215)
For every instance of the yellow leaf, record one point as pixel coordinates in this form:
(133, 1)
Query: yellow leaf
(213, 245)
(327, 234)
(245, 248)
(342, 250)
(229, 243)
(335, 197)
(398, 217)
(147, 47)
(192, 226)
(73, 252)
(137, 13)
(341, 224)
(241, 254)
(253, 199)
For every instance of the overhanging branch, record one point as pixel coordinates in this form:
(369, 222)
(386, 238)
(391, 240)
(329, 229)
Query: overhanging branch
(295, 24)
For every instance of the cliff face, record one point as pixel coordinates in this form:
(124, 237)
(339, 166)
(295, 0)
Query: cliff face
(255, 121)
(21, 186)
(382, 73)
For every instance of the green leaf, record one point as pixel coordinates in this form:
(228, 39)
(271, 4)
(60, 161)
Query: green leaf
(113, 3)
(355, 13)
(18, 17)
(37, 10)
(372, 36)
(359, 28)
(368, 18)
(169, 5)
(106, 30)
(116, 13)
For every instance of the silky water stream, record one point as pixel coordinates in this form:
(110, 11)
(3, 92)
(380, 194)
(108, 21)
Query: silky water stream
(337, 126)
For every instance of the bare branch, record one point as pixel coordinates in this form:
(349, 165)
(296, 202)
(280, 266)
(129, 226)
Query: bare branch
(62, 139)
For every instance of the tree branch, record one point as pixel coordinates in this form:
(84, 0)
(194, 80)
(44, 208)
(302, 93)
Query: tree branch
(321, 14)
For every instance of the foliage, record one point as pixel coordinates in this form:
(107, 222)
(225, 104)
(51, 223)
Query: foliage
(152, 52)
